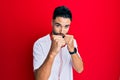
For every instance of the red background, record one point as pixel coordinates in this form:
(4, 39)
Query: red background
(95, 26)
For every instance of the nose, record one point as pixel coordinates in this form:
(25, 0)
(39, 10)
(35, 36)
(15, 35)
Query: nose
(62, 30)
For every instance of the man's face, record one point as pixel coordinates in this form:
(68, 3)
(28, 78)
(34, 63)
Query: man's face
(61, 25)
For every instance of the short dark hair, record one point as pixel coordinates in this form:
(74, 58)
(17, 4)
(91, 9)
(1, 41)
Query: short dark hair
(62, 11)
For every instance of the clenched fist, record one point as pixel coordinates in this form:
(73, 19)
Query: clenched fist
(69, 39)
(57, 42)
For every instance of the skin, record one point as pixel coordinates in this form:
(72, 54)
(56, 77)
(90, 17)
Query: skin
(61, 27)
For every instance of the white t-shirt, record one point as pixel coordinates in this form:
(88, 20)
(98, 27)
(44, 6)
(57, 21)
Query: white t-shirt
(62, 65)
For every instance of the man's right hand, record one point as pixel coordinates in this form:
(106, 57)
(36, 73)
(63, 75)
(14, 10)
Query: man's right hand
(57, 42)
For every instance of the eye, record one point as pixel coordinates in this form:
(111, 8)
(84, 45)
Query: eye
(66, 26)
(58, 25)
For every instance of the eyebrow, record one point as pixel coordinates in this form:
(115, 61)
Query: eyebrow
(67, 25)
(60, 24)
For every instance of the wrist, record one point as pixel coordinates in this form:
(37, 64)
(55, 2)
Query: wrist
(73, 52)
(52, 54)
(70, 49)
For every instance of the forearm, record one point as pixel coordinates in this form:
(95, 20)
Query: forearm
(44, 71)
(77, 63)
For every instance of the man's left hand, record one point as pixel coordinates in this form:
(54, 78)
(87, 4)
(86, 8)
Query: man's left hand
(69, 39)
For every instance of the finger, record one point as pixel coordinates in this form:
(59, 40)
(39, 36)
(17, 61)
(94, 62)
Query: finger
(63, 43)
(71, 41)
(57, 37)
(66, 40)
(60, 39)
(69, 36)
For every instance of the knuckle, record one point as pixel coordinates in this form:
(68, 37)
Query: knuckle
(71, 35)
(56, 41)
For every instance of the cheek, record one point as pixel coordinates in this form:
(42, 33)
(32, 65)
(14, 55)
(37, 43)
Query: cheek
(56, 29)
(67, 30)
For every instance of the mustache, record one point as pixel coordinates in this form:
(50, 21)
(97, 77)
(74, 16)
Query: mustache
(59, 34)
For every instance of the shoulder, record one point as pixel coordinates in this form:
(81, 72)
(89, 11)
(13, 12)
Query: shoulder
(42, 40)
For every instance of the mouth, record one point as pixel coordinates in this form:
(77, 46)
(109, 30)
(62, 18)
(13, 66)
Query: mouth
(59, 34)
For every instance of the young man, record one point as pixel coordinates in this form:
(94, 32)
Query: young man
(56, 53)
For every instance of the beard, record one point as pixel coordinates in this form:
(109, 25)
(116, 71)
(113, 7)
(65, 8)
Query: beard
(55, 33)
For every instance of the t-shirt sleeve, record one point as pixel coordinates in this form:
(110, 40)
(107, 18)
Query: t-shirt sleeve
(38, 55)
(75, 45)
